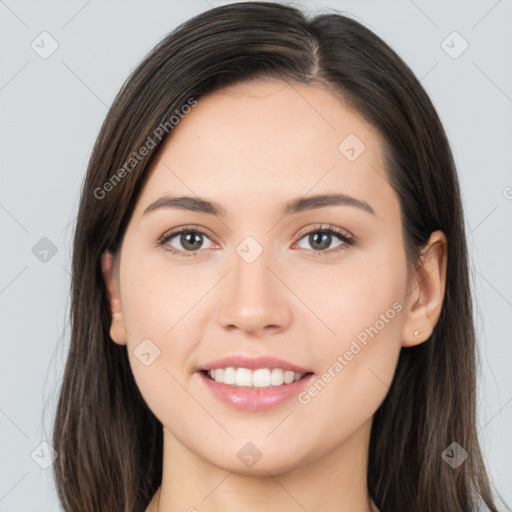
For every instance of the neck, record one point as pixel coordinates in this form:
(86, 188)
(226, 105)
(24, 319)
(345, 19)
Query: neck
(334, 482)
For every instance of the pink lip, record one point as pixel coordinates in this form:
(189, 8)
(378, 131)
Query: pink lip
(254, 399)
(254, 364)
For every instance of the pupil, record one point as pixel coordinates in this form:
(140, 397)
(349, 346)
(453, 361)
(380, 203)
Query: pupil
(324, 239)
(195, 243)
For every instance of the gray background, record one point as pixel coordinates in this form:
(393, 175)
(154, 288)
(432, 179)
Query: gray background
(50, 113)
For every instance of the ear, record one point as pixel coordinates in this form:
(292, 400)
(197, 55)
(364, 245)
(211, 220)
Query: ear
(426, 292)
(109, 268)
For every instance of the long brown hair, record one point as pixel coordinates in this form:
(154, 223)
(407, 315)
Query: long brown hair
(108, 441)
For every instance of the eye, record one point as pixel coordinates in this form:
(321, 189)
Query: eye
(320, 238)
(190, 238)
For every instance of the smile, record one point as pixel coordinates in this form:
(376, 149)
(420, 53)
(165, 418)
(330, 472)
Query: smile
(260, 378)
(246, 397)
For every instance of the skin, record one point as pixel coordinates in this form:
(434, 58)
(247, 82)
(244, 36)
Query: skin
(251, 148)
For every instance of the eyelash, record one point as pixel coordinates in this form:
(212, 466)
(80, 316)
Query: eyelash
(347, 240)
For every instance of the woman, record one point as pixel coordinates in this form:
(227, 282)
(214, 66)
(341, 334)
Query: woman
(270, 294)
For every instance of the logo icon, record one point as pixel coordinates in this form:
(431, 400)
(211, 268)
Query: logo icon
(44, 45)
(454, 455)
(44, 250)
(146, 352)
(454, 45)
(249, 454)
(44, 455)
(249, 249)
(351, 147)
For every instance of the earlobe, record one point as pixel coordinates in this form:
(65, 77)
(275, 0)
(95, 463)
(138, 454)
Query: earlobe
(118, 330)
(109, 271)
(425, 298)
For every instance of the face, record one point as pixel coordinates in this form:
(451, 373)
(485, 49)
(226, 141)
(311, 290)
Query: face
(261, 280)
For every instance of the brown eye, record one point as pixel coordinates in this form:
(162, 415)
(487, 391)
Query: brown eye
(321, 238)
(185, 241)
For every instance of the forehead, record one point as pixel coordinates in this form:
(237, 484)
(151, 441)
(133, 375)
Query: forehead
(271, 141)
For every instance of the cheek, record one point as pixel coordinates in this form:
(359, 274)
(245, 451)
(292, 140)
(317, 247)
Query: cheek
(157, 307)
(158, 301)
(357, 370)
(365, 310)
(158, 384)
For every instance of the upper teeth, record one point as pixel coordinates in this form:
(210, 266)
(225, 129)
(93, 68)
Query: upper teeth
(261, 378)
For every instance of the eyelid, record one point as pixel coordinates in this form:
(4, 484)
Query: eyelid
(172, 233)
(179, 230)
(324, 227)
(346, 238)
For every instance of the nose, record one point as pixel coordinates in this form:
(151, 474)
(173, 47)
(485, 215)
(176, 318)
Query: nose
(254, 298)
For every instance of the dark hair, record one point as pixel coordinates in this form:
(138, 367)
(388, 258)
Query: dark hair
(108, 441)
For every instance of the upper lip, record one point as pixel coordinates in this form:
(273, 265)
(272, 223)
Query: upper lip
(253, 363)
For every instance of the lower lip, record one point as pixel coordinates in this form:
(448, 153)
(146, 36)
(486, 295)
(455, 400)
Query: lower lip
(254, 399)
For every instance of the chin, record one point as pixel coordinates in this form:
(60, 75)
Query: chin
(249, 460)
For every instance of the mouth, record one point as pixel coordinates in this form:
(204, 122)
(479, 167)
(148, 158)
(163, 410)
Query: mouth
(260, 378)
(261, 389)
(253, 383)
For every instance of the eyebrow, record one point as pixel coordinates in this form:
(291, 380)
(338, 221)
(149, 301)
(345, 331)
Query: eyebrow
(202, 205)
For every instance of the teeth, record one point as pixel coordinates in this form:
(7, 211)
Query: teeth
(229, 376)
(243, 377)
(261, 378)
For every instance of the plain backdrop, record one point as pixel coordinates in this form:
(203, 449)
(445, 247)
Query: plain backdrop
(51, 109)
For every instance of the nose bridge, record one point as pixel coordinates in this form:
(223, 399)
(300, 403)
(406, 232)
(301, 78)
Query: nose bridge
(252, 279)
(253, 297)
(251, 270)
